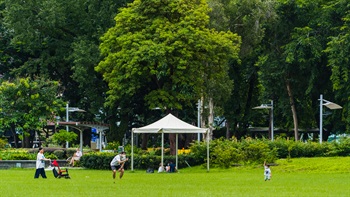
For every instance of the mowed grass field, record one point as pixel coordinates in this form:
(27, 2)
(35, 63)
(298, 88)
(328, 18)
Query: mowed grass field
(296, 177)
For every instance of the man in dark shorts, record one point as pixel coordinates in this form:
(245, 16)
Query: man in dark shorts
(118, 164)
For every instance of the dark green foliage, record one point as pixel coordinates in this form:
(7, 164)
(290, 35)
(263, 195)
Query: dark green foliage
(97, 160)
(60, 154)
(22, 156)
(112, 145)
(3, 143)
(339, 149)
(62, 136)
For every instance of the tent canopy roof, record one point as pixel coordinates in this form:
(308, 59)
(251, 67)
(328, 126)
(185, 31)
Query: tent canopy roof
(169, 124)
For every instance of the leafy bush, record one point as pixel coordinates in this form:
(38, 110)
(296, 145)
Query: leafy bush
(3, 143)
(256, 151)
(16, 154)
(22, 156)
(225, 154)
(62, 136)
(60, 154)
(97, 160)
(112, 146)
(50, 156)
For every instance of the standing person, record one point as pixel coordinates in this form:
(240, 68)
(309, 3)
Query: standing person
(40, 164)
(118, 164)
(76, 157)
(267, 171)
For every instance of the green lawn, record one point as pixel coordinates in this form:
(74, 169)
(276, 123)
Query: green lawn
(298, 177)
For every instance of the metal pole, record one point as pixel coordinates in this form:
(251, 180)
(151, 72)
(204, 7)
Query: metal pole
(81, 141)
(67, 120)
(199, 118)
(162, 163)
(272, 120)
(177, 148)
(100, 141)
(321, 116)
(208, 150)
(132, 150)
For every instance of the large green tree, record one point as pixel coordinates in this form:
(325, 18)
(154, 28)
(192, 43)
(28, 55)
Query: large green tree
(27, 105)
(337, 16)
(62, 39)
(166, 50)
(247, 18)
(294, 63)
(59, 40)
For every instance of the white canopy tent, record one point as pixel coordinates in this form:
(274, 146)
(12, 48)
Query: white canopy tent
(168, 124)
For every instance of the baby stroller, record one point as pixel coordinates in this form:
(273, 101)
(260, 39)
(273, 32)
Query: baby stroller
(58, 172)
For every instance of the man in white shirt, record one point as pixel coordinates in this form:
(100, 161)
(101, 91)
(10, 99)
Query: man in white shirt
(118, 164)
(40, 164)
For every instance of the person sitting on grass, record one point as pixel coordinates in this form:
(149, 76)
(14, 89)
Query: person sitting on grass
(172, 167)
(161, 168)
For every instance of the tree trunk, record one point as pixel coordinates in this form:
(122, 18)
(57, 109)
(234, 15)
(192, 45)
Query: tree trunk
(211, 118)
(172, 143)
(26, 141)
(144, 141)
(172, 139)
(203, 122)
(227, 129)
(15, 138)
(294, 111)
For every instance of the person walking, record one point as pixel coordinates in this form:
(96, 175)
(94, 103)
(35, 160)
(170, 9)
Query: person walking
(118, 164)
(40, 164)
(267, 171)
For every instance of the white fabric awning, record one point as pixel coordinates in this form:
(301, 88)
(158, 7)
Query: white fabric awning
(169, 124)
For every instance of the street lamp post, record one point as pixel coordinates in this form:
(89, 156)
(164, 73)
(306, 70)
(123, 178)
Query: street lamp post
(199, 118)
(329, 105)
(70, 109)
(268, 106)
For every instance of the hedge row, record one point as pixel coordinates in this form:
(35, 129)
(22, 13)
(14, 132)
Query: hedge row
(24, 154)
(102, 161)
(226, 153)
(223, 153)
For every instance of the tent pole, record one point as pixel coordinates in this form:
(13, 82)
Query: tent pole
(162, 162)
(207, 151)
(177, 148)
(132, 150)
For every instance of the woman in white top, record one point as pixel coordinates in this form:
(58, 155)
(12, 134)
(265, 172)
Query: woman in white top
(76, 157)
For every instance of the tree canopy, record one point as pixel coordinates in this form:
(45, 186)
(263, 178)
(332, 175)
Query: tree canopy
(120, 61)
(28, 105)
(166, 48)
